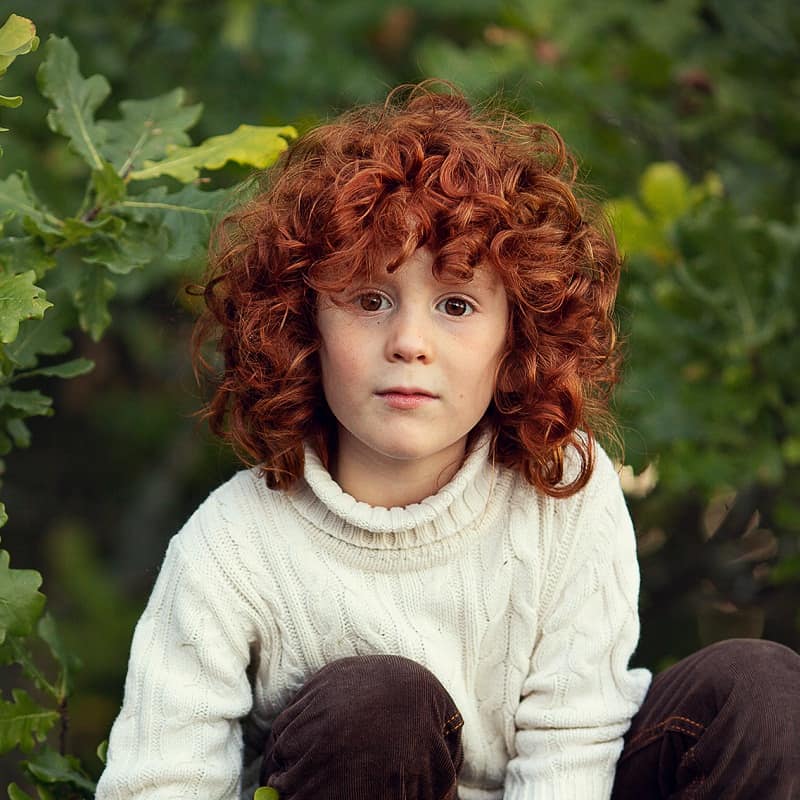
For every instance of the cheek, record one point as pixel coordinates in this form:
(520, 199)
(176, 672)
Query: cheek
(340, 368)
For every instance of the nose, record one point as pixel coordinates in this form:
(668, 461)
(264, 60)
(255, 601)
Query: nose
(409, 337)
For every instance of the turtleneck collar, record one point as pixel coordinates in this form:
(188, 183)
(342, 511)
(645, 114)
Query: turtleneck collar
(455, 507)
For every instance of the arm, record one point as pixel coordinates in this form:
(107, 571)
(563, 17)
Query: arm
(178, 733)
(579, 696)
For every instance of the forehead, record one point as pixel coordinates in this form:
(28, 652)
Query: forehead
(423, 265)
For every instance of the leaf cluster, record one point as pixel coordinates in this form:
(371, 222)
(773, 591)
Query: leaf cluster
(144, 206)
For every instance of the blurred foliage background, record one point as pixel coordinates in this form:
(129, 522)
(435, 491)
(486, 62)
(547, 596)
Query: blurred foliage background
(685, 116)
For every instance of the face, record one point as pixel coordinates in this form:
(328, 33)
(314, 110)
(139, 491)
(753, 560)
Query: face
(408, 363)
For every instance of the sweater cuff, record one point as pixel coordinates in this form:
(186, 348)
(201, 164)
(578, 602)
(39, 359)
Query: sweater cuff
(577, 785)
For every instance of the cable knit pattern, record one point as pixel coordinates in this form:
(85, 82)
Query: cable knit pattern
(524, 607)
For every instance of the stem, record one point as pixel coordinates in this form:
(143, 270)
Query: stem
(63, 712)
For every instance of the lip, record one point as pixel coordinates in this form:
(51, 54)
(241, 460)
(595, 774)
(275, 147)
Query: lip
(405, 397)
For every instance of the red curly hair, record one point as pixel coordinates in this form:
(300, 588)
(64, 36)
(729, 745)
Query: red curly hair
(364, 192)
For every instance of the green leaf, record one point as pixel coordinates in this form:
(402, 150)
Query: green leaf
(21, 604)
(133, 247)
(249, 144)
(75, 99)
(266, 793)
(10, 102)
(17, 198)
(91, 299)
(109, 188)
(102, 751)
(52, 768)
(147, 130)
(20, 299)
(80, 230)
(16, 651)
(665, 191)
(3, 515)
(68, 662)
(30, 402)
(186, 215)
(66, 369)
(42, 336)
(22, 253)
(19, 432)
(636, 232)
(17, 37)
(15, 793)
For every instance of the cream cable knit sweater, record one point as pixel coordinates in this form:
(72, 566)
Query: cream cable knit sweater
(524, 606)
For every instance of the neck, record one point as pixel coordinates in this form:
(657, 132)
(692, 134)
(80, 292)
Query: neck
(389, 482)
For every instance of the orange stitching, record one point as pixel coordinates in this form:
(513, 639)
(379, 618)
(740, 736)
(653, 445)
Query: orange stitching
(657, 730)
(453, 728)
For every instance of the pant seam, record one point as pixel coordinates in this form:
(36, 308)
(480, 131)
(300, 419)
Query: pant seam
(676, 724)
(450, 726)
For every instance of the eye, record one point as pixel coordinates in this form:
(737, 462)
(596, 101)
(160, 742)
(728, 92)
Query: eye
(456, 306)
(372, 301)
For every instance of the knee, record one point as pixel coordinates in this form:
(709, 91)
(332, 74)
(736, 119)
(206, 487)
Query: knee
(760, 677)
(361, 697)
(384, 685)
(751, 660)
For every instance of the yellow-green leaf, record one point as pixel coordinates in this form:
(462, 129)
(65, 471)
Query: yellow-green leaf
(252, 145)
(266, 793)
(20, 298)
(665, 191)
(17, 37)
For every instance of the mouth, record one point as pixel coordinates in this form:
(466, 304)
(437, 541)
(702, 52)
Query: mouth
(405, 397)
(408, 391)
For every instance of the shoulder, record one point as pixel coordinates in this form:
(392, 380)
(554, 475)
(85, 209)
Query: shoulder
(228, 519)
(603, 487)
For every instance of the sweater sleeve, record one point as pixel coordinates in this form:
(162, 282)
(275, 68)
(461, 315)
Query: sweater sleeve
(579, 696)
(178, 733)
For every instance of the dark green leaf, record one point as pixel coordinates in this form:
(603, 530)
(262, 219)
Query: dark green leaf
(30, 402)
(186, 215)
(147, 130)
(133, 247)
(16, 651)
(52, 768)
(21, 603)
(67, 661)
(19, 432)
(17, 198)
(79, 230)
(92, 299)
(66, 369)
(108, 186)
(75, 100)
(21, 254)
(42, 336)
(20, 299)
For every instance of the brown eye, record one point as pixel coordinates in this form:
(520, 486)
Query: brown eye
(371, 301)
(456, 307)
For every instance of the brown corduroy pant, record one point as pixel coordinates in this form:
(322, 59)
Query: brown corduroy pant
(722, 723)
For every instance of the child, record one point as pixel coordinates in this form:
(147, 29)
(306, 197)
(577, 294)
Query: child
(425, 587)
